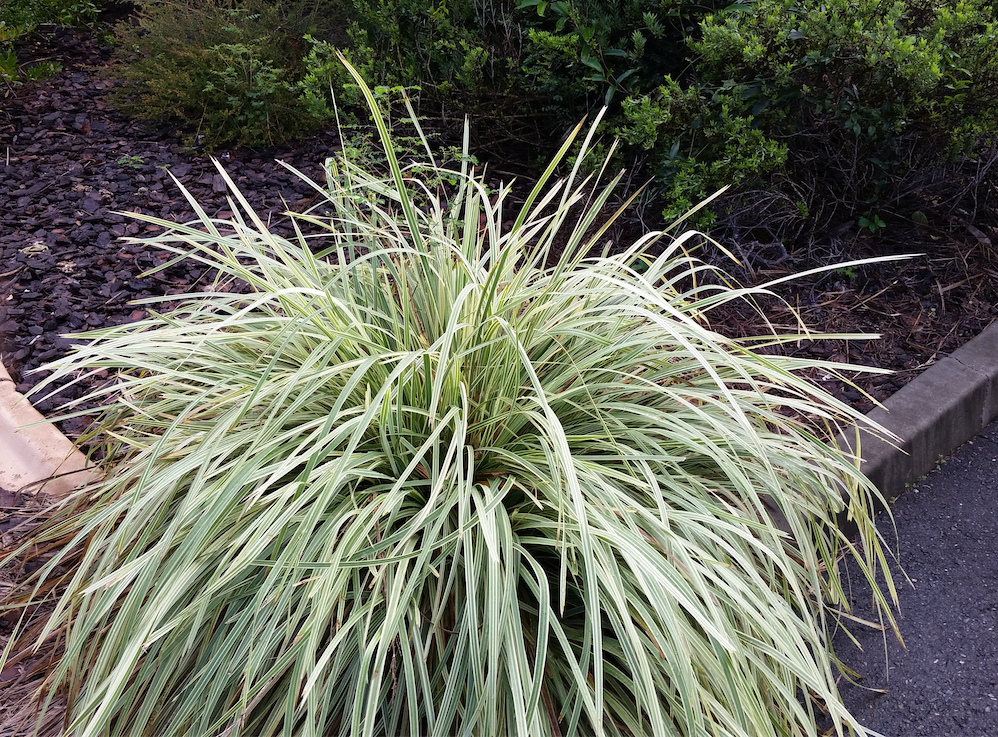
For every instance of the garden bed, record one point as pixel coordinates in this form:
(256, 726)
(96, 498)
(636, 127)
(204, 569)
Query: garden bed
(71, 165)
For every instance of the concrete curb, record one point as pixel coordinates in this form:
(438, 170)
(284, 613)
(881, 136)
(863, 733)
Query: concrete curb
(944, 407)
(35, 457)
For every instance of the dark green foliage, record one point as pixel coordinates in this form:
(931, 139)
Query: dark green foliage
(876, 67)
(464, 52)
(694, 144)
(878, 92)
(853, 101)
(836, 108)
(27, 14)
(230, 69)
(567, 58)
(621, 47)
(463, 46)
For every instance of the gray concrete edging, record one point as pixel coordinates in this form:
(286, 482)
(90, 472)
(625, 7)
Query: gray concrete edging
(941, 409)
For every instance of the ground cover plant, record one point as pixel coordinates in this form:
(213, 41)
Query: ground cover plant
(428, 477)
(19, 18)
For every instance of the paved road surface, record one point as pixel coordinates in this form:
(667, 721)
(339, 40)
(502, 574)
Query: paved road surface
(945, 684)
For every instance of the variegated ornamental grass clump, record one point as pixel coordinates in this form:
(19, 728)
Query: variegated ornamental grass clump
(418, 481)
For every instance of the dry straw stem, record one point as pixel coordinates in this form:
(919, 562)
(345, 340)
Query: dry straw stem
(417, 481)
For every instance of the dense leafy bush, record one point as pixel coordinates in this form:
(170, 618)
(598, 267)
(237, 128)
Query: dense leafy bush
(566, 58)
(878, 68)
(875, 93)
(229, 71)
(571, 56)
(622, 47)
(838, 108)
(463, 47)
(253, 71)
(693, 145)
(463, 53)
(849, 102)
(418, 481)
(497, 57)
(844, 106)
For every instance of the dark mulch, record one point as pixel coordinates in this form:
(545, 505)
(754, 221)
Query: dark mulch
(71, 165)
(20, 676)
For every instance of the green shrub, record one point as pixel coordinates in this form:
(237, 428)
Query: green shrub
(451, 45)
(461, 52)
(230, 71)
(694, 147)
(876, 92)
(623, 47)
(416, 481)
(27, 14)
(837, 102)
(566, 58)
(849, 102)
(837, 108)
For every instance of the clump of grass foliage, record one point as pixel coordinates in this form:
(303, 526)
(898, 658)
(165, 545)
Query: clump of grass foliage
(419, 481)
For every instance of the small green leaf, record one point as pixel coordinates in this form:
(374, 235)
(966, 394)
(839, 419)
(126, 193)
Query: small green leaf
(592, 63)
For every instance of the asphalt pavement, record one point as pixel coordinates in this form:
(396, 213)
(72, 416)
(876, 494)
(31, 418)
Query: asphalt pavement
(944, 681)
